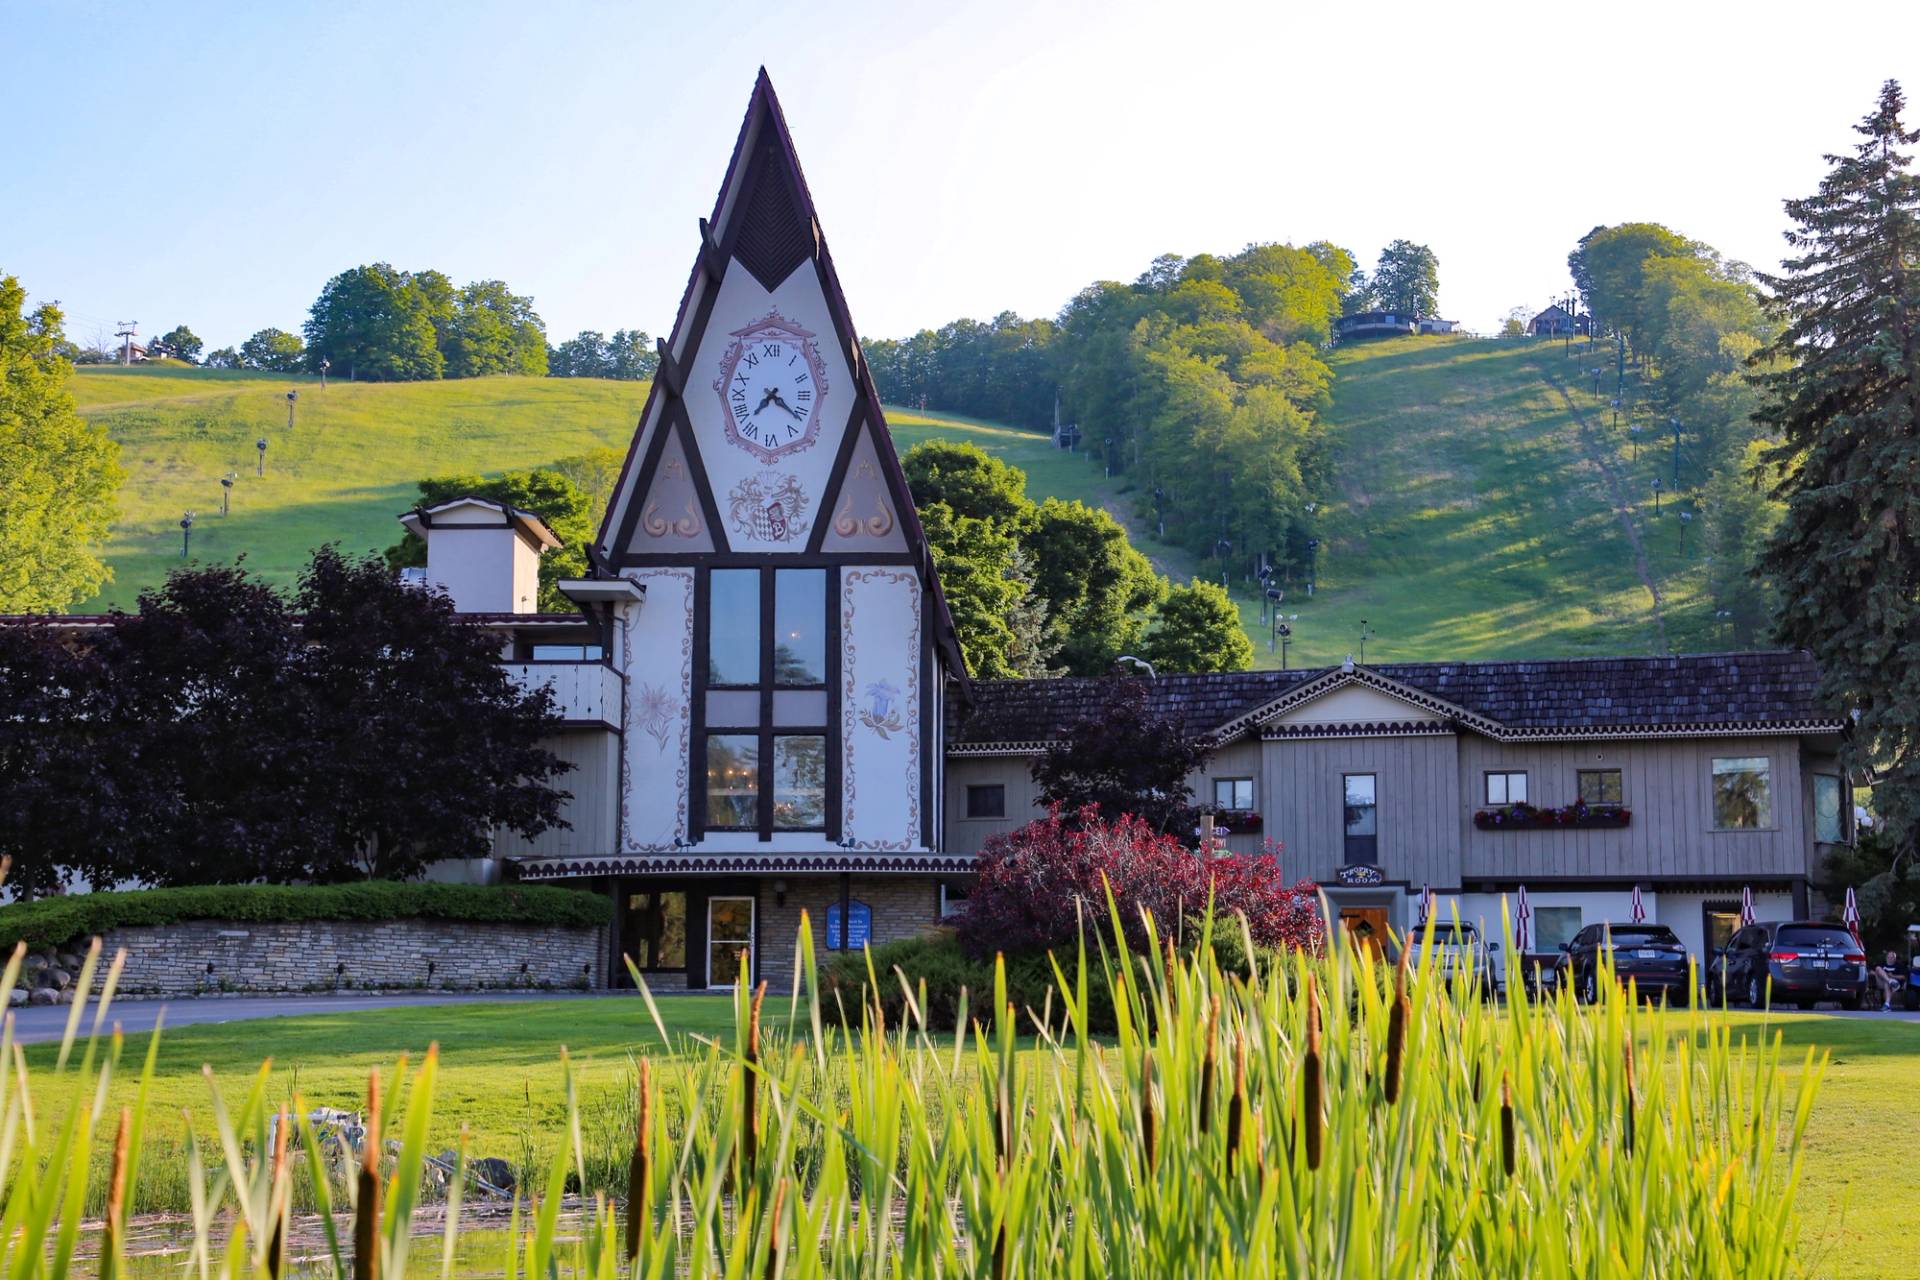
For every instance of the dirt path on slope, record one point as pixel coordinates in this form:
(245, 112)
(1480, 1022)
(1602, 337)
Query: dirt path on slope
(1603, 462)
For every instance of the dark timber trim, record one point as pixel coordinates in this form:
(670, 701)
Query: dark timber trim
(849, 440)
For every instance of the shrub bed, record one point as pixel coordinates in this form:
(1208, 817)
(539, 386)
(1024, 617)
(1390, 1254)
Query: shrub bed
(49, 922)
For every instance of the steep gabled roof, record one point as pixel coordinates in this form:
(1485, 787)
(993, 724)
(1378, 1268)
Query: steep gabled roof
(1571, 698)
(763, 219)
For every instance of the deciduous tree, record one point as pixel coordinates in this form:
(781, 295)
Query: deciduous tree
(1199, 630)
(1122, 757)
(273, 351)
(58, 472)
(1406, 279)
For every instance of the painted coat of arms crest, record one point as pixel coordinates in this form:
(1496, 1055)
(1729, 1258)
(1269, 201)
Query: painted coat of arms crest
(768, 507)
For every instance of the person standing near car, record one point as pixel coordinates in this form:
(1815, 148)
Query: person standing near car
(1887, 976)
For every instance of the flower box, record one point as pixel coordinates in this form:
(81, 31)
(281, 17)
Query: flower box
(1524, 817)
(1236, 822)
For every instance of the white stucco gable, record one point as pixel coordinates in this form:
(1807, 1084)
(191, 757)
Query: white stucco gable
(1353, 704)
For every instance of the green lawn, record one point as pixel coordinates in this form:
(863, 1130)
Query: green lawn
(501, 1076)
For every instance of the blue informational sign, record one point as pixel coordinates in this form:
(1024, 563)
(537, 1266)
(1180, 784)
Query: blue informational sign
(858, 935)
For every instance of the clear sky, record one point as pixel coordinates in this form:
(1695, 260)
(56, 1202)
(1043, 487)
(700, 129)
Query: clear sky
(214, 165)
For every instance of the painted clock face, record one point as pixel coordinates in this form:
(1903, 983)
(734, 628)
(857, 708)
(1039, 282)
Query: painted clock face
(772, 387)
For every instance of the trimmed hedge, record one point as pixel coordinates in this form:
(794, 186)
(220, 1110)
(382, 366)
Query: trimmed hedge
(50, 922)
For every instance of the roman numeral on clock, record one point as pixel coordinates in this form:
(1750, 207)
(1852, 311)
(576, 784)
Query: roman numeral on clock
(770, 349)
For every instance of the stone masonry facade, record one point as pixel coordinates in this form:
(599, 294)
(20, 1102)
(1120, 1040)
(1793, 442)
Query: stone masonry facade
(903, 907)
(214, 957)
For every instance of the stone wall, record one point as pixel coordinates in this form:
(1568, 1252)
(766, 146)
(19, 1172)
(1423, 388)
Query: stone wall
(213, 957)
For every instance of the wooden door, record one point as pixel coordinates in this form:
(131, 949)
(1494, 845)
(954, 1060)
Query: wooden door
(1366, 925)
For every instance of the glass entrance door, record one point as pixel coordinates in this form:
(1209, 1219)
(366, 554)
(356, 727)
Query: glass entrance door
(729, 932)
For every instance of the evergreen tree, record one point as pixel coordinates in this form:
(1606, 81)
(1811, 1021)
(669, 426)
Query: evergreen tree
(1843, 402)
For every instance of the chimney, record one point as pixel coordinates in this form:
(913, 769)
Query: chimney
(484, 554)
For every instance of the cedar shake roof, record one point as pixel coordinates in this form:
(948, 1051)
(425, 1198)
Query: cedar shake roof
(1561, 697)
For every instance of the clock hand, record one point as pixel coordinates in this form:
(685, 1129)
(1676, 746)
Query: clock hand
(773, 394)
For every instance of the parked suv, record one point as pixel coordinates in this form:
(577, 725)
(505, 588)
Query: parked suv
(1459, 949)
(1650, 954)
(1806, 960)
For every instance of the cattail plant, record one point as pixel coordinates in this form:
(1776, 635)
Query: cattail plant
(366, 1202)
(639, 1192)
(1312, 1083)
(1397, 1014)
(1506, 1126)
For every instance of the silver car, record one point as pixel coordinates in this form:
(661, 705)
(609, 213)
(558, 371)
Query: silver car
(1460, 951)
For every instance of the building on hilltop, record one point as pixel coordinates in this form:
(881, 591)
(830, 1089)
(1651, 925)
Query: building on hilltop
(1384, 324)
(1556, 321)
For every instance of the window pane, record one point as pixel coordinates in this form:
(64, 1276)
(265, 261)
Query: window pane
(1827, 827)
(1496, 788)
(1742, 793)
(1516, 788)
(1553, 926)
(566, 653)
(1600, 786)
(1360, 804)
(733, 626)
(733, 781)
(987, 801)
(1233, 793)
(670, 945)
(800, 626)
(799, 781)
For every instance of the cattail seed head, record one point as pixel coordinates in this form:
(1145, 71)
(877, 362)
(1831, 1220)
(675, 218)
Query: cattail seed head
(1237, 1105)
(750, 1089)
(1312, 1083)
(116, 1186)
(366, 1205)
(639, 1201)
(1396, 1045)
(277, 1241)
(775, 1245)
(1506, 1125)
(1147, 1134)
(1209, 1064)
(1629, 1097)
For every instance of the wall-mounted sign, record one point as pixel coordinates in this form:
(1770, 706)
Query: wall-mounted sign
(1361, 875)
(860, 932)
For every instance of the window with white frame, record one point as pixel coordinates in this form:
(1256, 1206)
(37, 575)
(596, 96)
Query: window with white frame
(1742, 793)
(1507, 788)
(1233, 794)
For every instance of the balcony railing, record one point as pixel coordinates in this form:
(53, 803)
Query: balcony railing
(583, 692)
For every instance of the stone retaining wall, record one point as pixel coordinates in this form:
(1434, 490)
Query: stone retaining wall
(214, 957)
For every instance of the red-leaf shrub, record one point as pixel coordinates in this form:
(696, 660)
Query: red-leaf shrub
(1036, 882)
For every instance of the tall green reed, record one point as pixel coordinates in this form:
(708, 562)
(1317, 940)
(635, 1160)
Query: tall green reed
(1325, 1116)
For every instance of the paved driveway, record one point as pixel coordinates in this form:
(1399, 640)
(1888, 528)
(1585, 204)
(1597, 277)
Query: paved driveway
(35, 1024)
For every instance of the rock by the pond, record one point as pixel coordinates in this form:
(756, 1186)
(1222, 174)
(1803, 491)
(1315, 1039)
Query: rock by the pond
(68, 960)
(17, 996)
(493, 1170)
(60, 979)
(45, 995)
(35, 964)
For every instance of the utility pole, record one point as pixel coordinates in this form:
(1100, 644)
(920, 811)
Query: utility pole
(126, 332)
(186, 534)
(1676, 455)
(260, 466)
(226, 491)
(291, 397)
(325, 364)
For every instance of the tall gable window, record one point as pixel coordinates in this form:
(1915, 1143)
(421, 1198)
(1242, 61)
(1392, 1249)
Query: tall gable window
(1362, 819)
(767, 757)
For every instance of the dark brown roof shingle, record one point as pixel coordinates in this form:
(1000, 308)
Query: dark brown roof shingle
(1775, 687)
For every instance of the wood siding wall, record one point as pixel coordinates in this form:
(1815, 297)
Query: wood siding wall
(594, 783)
(1667, 783)
(1417, 791)
(968, 835)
